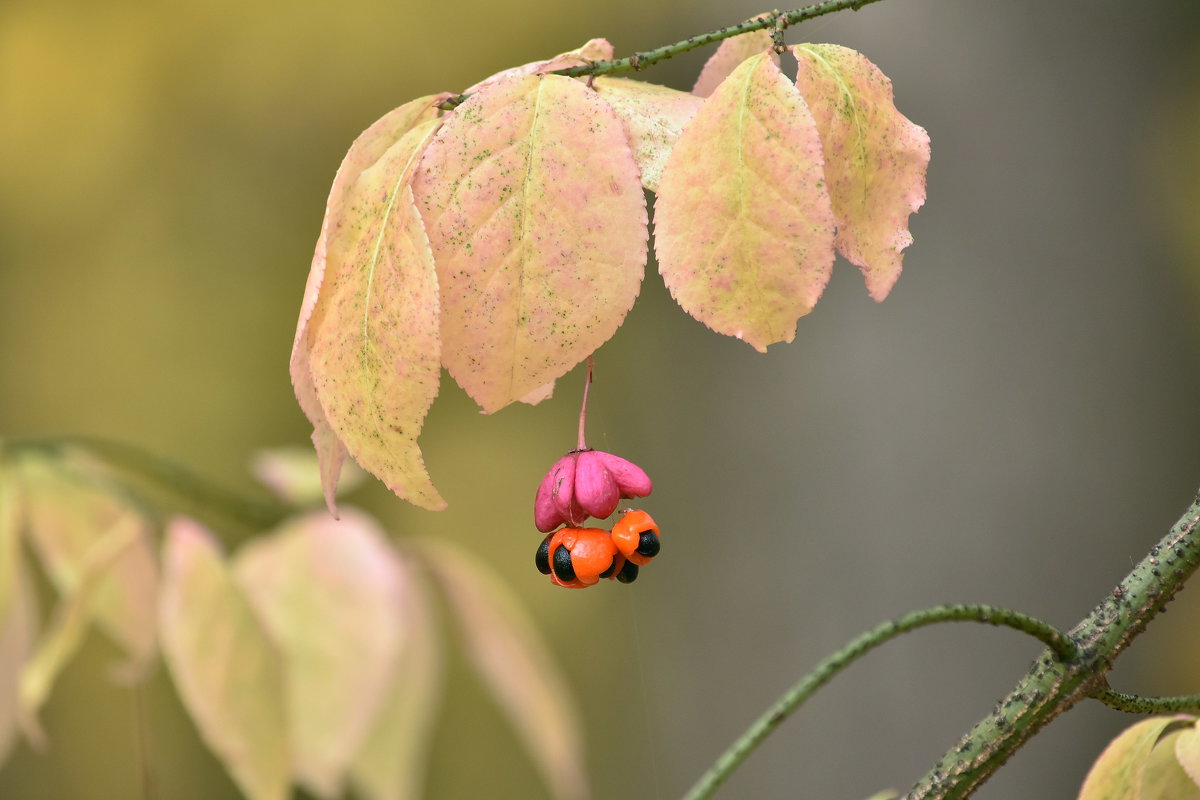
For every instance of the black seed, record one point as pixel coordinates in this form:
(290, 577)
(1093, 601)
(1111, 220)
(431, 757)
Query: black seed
(542, 557)
(649, 544)
(629, 573)
(612, 567)
(563, 567)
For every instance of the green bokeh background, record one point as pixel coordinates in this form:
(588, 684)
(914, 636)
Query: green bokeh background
(1015, 425)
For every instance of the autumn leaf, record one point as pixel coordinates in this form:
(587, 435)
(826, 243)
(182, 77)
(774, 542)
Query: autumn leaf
(1187, 752)
(730, 53)
(10, 537)
(391, 763)
(510, 658)
(654, 116)
(875, 158)
(586, 53)
(228, 674)
(68, 510)
(373, 335)
(743, 225)
(330, 597)
(293, 474)
(537, 221)
(367, 149)
(18, 630)
(1119, 772)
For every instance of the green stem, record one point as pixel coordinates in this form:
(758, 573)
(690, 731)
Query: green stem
(777, 21)
(1051, 686)
(1136, 704)
(1058, 642)
(200, 492)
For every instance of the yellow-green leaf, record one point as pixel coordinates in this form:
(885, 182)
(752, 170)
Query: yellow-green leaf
(373, 336)
(729, 54)
(18, 630)
(743, 225)
(654, 116)
(538, 225)
(1117, 773)
(391, 763)
(68, 511)
(368, 148)
(330, 596)
(229, 675)
(875, 158)
(512, 660)
(1187, 752)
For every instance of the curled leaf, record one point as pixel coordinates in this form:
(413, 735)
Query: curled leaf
(330, 596)
(538, 226)
(875, 158)
(228, 674)
(511, 659)
(588, 52)
(654, 116)
(391, 763)
(743, 226)
(730, 53)
(373, 336)
(368, 148)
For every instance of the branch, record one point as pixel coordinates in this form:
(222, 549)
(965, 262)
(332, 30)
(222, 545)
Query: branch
(777, 21)
(1052, 686)
(1057, 641)
(1136, 704)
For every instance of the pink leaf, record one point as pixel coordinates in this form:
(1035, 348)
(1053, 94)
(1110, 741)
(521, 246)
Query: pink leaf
(875, 158)
(329, 594)
(654, 116)
(592, 50)
(368, 148)
(538, 225)
(731, 53)
(743, 225)
(512, 660)
(228, 674)
(373, 336)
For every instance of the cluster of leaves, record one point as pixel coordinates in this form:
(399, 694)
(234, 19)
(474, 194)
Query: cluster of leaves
(311, 655)
(1155, 759)
(506, 239)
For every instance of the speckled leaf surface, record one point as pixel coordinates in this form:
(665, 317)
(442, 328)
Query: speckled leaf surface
(511, 659)
(729, 54)
(1118, 772)
(535, 213)
(592, 50)
(743, 224)
(373, 336)
(875, 158)
(368, 148)
(229, 676)
(653, 115)
(329, 594)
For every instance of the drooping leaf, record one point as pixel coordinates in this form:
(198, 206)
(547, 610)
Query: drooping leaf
(592, 50)
(1187, 752)
(511, 659)
(228, 674)
(368, 148)
(330, 596)
(78, 605)
(729, 54)
(743, 225)
(391, 763)
(654, 116)
(1117, 773)
(373, 336)
(18, 630)
(875, 158)
(293, 474)
(68, 511)
(538, 225)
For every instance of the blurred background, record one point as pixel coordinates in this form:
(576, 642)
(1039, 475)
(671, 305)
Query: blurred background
(1015, 425)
